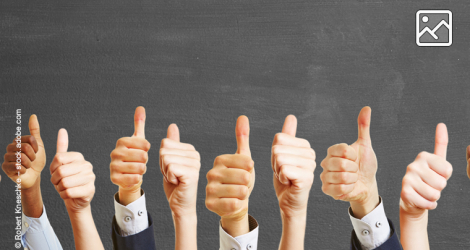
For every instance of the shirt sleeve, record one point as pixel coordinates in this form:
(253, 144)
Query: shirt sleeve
(247, 241)
(372, 230)
(133, 218)
(37, 233)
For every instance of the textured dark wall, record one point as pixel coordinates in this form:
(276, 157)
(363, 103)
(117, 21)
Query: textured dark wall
(85, 65)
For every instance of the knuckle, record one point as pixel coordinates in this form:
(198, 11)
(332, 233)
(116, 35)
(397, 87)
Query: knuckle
(210, 190)
(212, 175)
(209, 204)
(422, 155)
(243, 190)
(246, 177)
(278, 138)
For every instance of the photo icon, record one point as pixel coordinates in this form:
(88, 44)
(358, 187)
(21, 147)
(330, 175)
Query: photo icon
(434, 28)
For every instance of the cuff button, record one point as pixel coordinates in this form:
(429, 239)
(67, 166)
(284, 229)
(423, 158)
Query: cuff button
(140, 213)
(378, 224)
(249, 246)
(365, 232)
(128, 218)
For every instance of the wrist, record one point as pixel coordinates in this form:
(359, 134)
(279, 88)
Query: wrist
(186, 219)
(236, 226)
(127, 196)
(79, 213)
(413, 214)
(364, 207)
(31, 200)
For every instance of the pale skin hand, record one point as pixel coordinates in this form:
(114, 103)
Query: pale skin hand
(293, 163)
(349, 171)
(129, 161)
(230, 183)
(180, 164)
(33, 159)
(74, 180)
(422, 184)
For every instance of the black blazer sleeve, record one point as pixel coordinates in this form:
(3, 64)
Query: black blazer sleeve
(144, 240)
(391, 244)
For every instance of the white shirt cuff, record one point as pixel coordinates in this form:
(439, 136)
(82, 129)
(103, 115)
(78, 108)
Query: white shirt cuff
(37, 233)
(247, 241)
(372, 230)
(133, 218)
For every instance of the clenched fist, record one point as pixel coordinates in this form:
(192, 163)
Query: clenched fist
(179, 164)
(129, 161)
(33, 157)
(349, 171)
(426, 177)
(230, 183)
(293, 163)
(72, 176)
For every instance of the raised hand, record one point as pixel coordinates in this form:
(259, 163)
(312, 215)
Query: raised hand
(72, 176)
(33, 157)
(293, 163)
(426, 177)
(230, 183)
(349, 171)
(180, 164)
(422, 184)
(129, 161)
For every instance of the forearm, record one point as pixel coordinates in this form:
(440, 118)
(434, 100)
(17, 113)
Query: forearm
(31, 200)
(127, 196)
(84, 230)
(413, 231)
(185, 232)
(236, 226)
(293, 232)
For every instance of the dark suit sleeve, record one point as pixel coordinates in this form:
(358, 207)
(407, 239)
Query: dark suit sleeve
(391, 244)
(144, 240)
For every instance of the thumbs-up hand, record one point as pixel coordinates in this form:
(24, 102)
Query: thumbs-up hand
(129, 161)
(33, 157)
(349, 170)
(293, 163)
(72, 176)
(179, 164)
(426, 177)
(230, 183)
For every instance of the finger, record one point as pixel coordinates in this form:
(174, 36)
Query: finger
(65, 158)
(65, 171)
(336, 164)
(26, 148)
(228, 191)
(139, 122)
(288, 140)
(337, 190)
(290, 125)
(62, 141)
(173, 133)
(298, 161)
(363, 122)
(78, 192)
(11, 157)
(413, 199)
(235, 161)
(130, 155)
(34, 129)
(179, 160)
(242, 132)
(178, 152)
(180, 173)
(297, 176)
(339, 177)
(133, 142)
(436, 163)
(74, 181)
(433, 179)
(27, 139)
(342, 150)
(304, 152)
(442, 139)
(168, 143)
(10, 168)
(128, 167)
(229, 176)
(125, 180)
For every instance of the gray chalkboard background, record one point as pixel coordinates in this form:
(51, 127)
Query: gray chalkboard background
(86, 65)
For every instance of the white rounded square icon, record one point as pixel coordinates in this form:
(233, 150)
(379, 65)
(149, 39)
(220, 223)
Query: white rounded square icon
(434, 28)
